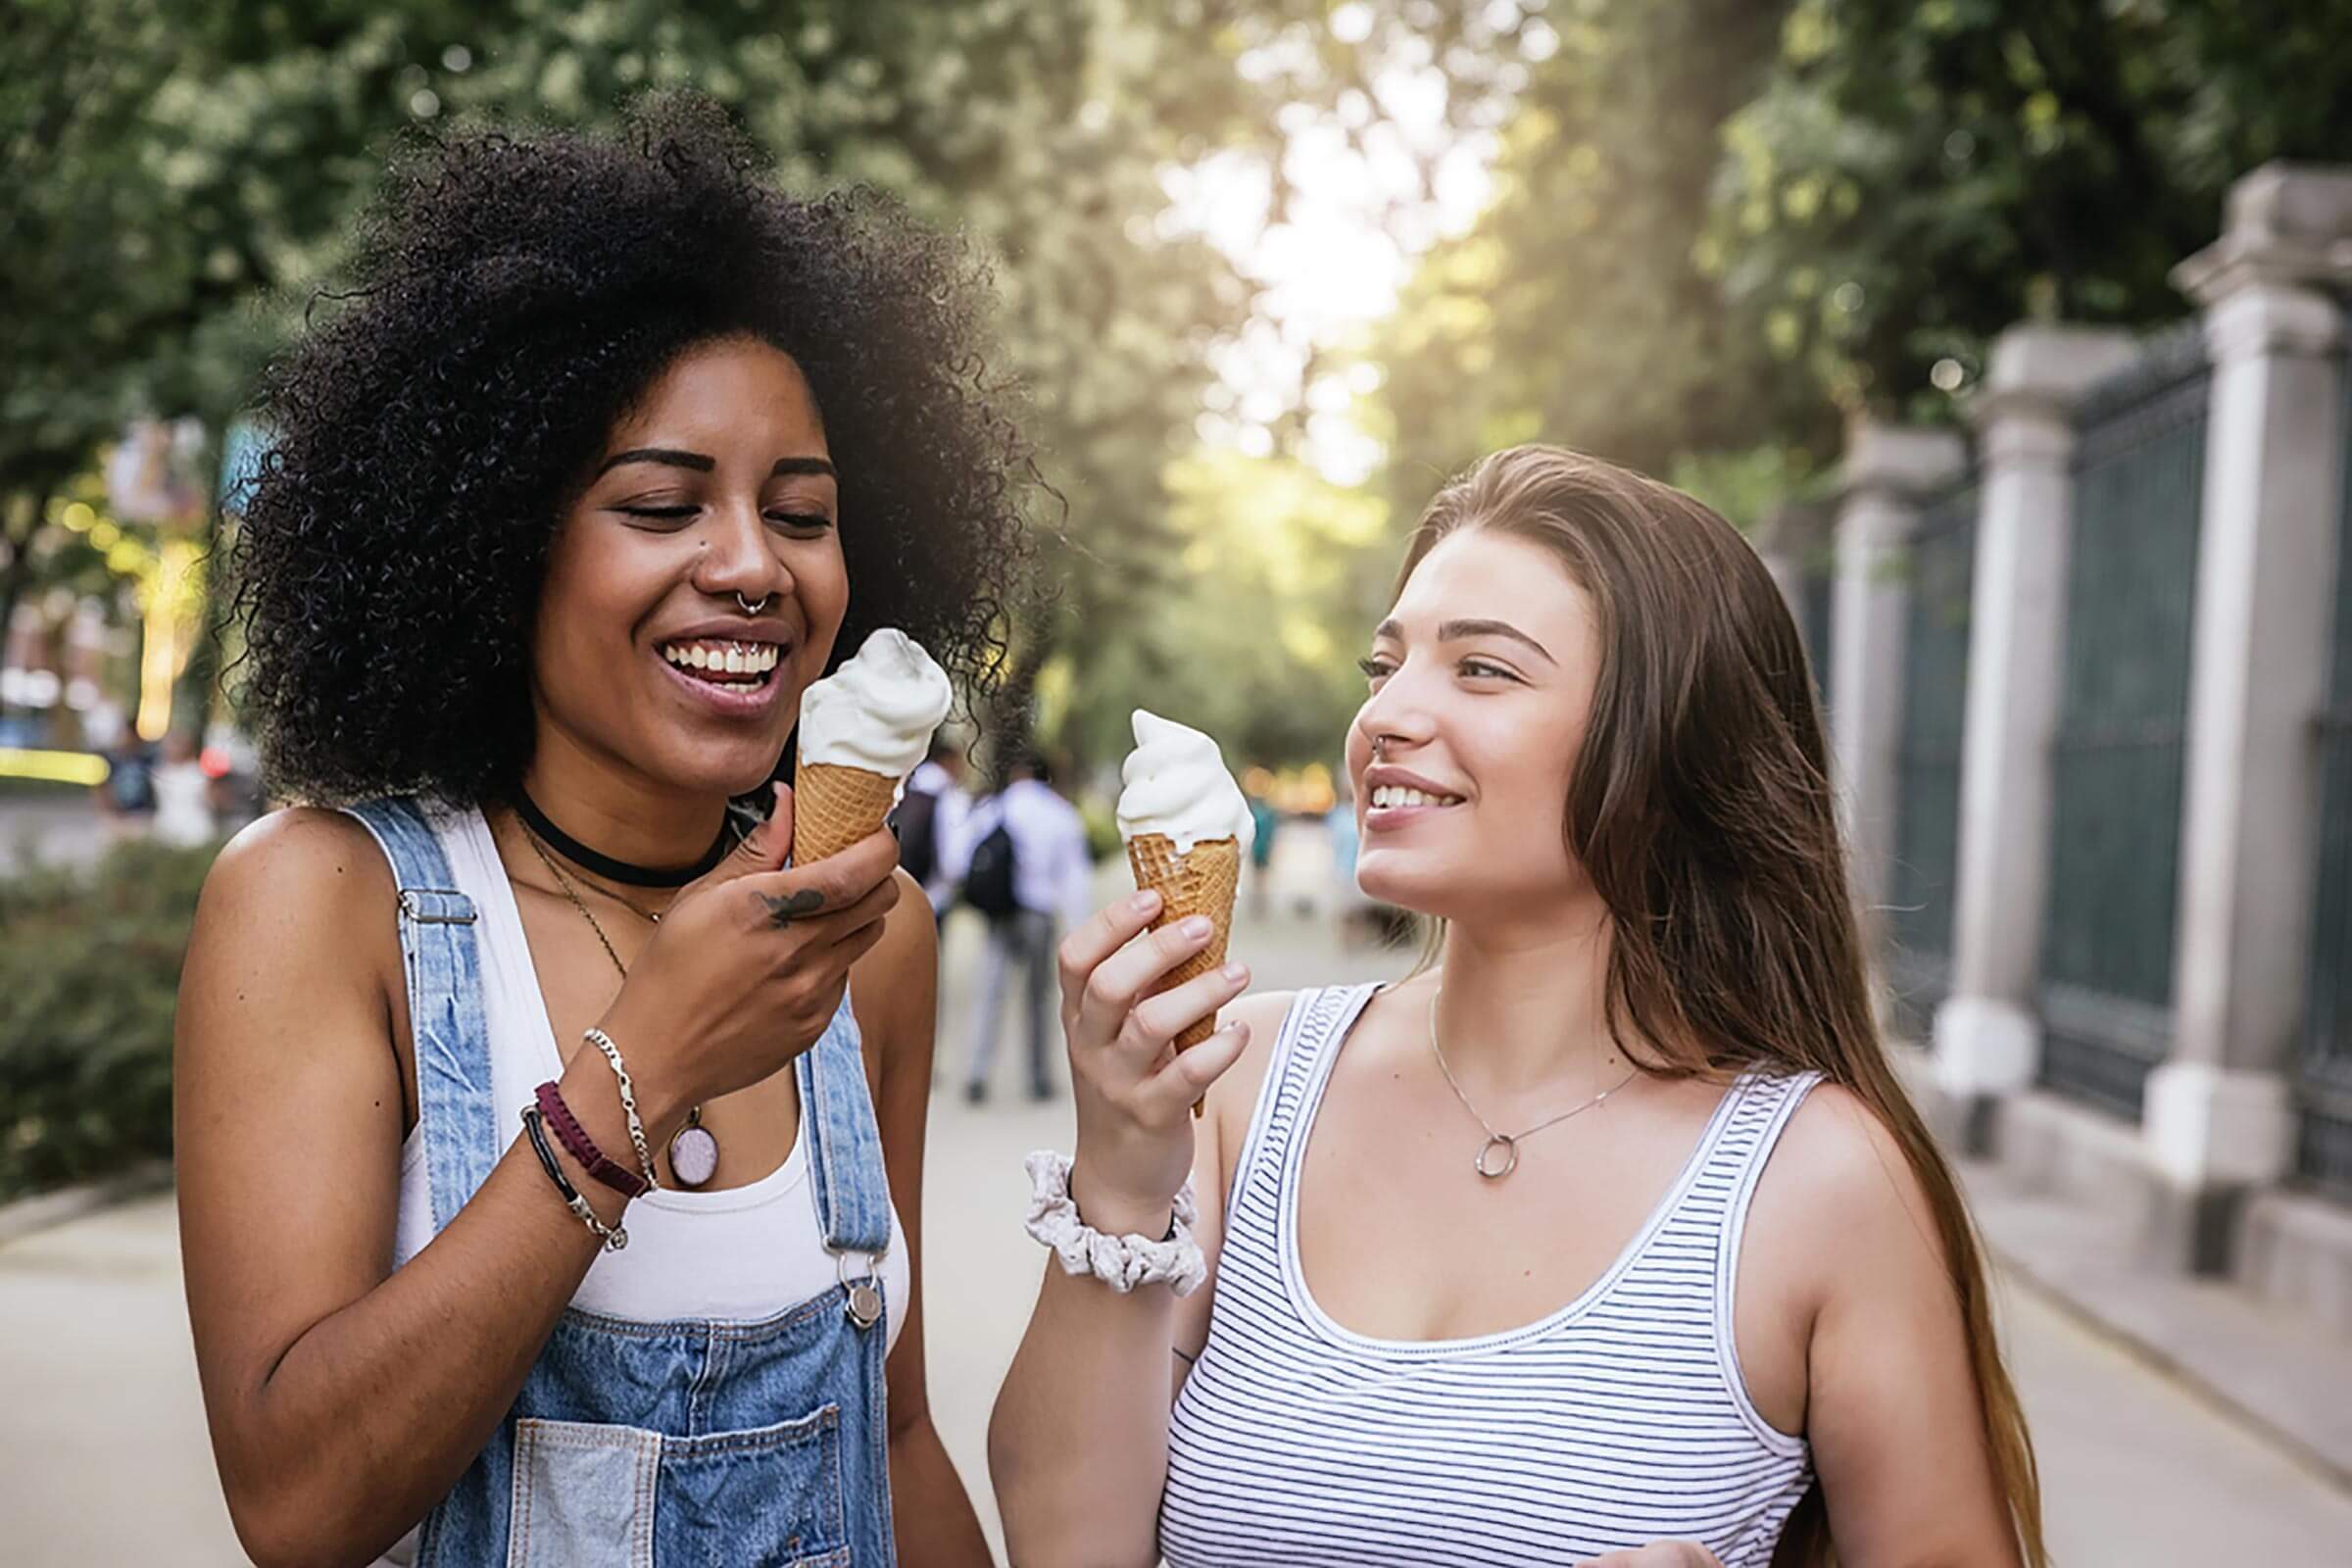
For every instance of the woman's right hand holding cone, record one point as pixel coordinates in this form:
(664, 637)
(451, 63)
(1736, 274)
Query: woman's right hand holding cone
(1134, 1090)
(748, 965)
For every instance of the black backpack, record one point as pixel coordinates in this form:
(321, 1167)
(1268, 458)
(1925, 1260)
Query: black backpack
(916, 821)
(988, 880)
(130, 784)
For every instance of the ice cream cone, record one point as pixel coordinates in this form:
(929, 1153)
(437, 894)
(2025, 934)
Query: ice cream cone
(834, 806)
(1200, 882)
(862, 730)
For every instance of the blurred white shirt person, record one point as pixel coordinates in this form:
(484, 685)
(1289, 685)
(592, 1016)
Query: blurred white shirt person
(933, 853)
(1047, 883)
(183, 794)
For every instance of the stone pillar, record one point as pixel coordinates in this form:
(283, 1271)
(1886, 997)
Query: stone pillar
(2219, 1113)
(1988, 1031)
(1787, 538)
(1887, 472)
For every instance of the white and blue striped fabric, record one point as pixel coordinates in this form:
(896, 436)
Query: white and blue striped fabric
(1619, 1420)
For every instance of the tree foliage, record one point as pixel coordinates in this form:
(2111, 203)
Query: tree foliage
(89, 964)
(1575, 310)
(1717, 227)
(185, 175)
(1270, 590)
(1721, 226)
(1914, 177)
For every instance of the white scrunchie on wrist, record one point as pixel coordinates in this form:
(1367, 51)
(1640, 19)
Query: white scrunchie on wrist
(1121, 1262)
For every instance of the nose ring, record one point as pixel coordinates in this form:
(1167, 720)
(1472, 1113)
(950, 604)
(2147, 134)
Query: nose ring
(752, 607)
(1380, 748)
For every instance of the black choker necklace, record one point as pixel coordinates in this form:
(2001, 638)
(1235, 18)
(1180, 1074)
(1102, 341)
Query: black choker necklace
(612, 870)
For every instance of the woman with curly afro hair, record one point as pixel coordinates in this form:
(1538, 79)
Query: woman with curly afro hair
(608, 453)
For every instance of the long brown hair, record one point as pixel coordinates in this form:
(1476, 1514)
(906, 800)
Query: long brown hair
(1701, 808)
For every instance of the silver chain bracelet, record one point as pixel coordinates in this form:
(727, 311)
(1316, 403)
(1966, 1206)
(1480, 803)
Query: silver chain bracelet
(628, 1104)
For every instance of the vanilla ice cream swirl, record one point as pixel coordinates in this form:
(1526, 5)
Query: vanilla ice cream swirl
(1175, 785)
(878, 710)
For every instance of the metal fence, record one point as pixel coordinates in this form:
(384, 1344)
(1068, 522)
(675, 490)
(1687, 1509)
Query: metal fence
(2324, 1152)
(1816, 617)
(1935, 718)
(2116, 758)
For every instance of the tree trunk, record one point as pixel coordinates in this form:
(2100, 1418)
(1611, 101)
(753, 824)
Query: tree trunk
(199, 683)
(15, 571)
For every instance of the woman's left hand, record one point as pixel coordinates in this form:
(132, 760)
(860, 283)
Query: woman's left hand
(1658, 1555)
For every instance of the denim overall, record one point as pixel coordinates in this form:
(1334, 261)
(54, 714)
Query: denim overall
(716, 1444)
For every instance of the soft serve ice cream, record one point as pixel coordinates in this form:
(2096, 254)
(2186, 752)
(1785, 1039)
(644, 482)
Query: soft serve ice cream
(1187, 826)
(878, 710)
(1175, 785)
(864, 728)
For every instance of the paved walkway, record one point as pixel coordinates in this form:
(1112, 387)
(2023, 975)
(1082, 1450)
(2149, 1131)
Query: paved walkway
(51, 829)
(103, 1458)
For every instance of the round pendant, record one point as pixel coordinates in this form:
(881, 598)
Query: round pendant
(1485, 1162)
(693, 1155)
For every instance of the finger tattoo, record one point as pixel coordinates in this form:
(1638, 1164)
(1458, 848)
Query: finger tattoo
(797, 906)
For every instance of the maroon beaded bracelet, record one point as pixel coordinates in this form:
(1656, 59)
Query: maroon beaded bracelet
(580, 1147)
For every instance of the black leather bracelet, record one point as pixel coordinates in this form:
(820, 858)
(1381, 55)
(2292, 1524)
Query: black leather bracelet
(615, 1237)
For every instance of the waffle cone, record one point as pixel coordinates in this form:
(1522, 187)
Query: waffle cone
(1201, 882)
(833, 808)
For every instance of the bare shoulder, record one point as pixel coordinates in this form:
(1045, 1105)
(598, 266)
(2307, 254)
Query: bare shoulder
(1843, 1199)
(1839, 1150)
(910, 933)
(303, 875)
(1233, 1098)
(291, 1000)
(893, 987)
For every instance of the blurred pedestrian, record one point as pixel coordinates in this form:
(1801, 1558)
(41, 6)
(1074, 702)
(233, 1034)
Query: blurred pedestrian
(930, 820)
(1028, 870)
(126, 795)
(548, 1155)
(234, 767)
(1348, 908)
(185, 794)
(1609, 1236)
(1263, 819)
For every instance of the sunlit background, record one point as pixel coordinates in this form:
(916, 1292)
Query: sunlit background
(1270, 270)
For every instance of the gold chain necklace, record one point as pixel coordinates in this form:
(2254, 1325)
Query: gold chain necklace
(693, 1152)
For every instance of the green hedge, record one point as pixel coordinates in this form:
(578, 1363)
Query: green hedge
(89, 972)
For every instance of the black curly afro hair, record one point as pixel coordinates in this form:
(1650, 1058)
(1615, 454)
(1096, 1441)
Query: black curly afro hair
(514, 293)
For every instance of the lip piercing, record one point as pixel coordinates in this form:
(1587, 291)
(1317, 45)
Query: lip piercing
(750, 607)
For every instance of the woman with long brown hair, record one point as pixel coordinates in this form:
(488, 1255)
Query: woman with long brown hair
(1608, 1235)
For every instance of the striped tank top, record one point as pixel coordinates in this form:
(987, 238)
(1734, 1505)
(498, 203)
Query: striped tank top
(1618, 1420)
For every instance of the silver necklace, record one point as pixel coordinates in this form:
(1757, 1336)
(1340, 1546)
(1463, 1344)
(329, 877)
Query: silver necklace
(1508, 1143)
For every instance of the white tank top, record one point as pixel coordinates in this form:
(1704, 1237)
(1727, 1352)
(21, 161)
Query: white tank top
(746, 1254)
(1618, 1420)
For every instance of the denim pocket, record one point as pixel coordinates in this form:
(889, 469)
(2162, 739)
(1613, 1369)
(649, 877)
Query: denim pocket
(583, 1495)
(765, 1498)
(594, 1495)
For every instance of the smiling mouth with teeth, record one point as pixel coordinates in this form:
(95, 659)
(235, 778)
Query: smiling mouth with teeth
(1388, 795)
(724, 664)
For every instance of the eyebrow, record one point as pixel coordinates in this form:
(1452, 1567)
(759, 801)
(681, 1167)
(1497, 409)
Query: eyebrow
(673, 458)
(662, 455)
(1455, 630)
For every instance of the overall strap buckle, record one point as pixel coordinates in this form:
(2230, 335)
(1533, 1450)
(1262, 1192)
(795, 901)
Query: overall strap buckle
(864, 1303)
(436, 906)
